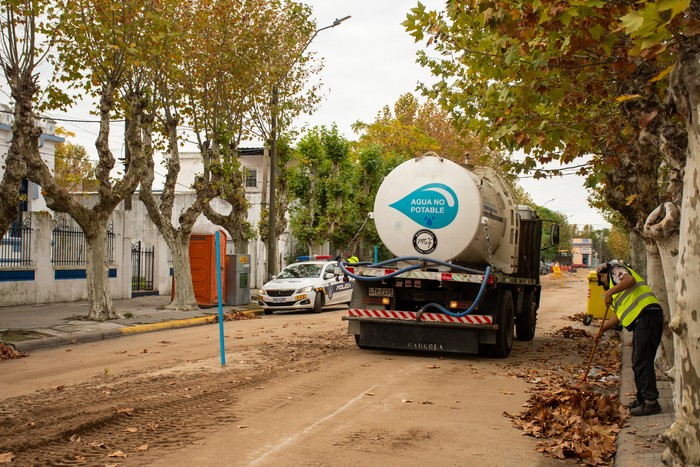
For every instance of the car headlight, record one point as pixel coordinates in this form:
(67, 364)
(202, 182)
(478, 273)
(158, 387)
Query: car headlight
(305, 289)
(261, 292)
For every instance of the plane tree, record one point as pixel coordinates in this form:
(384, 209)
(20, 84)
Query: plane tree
(217, 63)
(22, 51)
(672, 30)
(558, 80)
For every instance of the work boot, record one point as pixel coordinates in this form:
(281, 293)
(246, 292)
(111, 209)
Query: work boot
(646, 408)
(633, 404)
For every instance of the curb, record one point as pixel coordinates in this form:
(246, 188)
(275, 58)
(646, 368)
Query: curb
(58, 341)
(178, 323)
(72, 339)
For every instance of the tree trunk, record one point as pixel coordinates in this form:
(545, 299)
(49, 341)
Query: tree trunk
(184, 297)
(638, 252)
(662, 227)
(683, 437)
(97, 269)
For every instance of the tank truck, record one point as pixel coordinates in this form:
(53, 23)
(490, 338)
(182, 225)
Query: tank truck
(466, 272)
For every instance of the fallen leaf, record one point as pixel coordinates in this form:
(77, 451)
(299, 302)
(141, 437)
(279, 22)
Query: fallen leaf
(145, 350)
(6, 457)
(242, 426)
(131, 430)
(143, 447)
(432, 366)
(406, 401)
(129, 411)
(117, 454)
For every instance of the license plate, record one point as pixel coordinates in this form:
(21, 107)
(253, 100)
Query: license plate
(381, 292)
(279, 300)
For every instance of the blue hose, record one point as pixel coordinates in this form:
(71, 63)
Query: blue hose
(487, 274)
(441, 308)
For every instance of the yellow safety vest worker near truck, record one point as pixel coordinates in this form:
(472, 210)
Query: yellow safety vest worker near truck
(629, 303)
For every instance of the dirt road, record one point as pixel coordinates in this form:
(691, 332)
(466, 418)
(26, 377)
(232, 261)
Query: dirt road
(295, 390)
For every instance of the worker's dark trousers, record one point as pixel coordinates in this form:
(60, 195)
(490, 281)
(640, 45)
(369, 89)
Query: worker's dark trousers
(646, 336)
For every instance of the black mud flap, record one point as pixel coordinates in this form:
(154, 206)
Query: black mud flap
(421, 337)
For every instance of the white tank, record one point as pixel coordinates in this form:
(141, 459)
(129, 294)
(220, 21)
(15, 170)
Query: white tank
(434, 208)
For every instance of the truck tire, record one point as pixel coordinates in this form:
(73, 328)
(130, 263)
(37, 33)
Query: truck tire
(357, 341)
(527, 320)
(506, 325)
(318, 302)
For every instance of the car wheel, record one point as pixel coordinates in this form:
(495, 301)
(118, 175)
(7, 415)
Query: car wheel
(318, 302)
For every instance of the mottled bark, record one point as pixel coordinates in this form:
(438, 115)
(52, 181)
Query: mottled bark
(97, 271)
(177, 239)
(25, 138)
(683, 437)
(656, 279)
(662, 227)
(638, 252)
(111, 193)
(19, 66)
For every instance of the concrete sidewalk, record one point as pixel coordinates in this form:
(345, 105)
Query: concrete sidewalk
(639, 444)
(33, 327)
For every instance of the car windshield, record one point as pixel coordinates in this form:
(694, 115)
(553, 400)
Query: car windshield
(295, 271)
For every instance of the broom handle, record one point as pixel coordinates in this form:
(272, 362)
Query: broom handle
(595, 343)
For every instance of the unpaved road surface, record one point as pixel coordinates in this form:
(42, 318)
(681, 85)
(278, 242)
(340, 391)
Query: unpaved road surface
(295, 390)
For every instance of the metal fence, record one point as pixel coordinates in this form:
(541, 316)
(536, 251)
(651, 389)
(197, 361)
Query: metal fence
(142, 267)
(68, 246)
(15, 246)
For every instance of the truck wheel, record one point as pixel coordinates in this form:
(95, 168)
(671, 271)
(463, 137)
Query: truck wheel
(318, 302)
(506, 324)
(357, 341)
(527, 319)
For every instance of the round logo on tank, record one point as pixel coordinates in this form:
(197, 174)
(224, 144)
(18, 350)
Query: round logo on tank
(424, 242)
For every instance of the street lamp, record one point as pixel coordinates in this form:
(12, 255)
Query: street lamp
(271, 234)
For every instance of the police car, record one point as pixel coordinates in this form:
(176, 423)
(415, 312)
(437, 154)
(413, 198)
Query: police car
(308, 285)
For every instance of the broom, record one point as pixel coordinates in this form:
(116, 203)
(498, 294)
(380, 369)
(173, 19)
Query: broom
(595, 344)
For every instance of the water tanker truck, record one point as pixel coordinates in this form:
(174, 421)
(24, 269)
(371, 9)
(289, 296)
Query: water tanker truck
(466, 276)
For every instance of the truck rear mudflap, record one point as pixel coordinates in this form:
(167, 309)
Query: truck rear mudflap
(434, 332)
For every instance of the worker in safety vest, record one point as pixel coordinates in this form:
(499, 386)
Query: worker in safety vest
(635, 307)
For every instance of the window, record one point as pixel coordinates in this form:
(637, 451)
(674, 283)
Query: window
(251, 177)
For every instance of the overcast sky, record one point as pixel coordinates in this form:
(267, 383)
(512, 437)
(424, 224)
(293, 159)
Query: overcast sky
(370, 62)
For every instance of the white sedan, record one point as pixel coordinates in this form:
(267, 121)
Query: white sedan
(311, 285)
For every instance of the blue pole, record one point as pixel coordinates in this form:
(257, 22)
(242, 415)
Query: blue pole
(221, 309)
(376, 254)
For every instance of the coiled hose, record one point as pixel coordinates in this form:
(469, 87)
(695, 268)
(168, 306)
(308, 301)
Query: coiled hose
(479, 295)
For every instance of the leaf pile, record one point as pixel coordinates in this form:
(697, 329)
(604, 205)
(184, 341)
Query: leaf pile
(578, 317)
(7, 352)
(572, 333)
(574, 423)
(235, 316)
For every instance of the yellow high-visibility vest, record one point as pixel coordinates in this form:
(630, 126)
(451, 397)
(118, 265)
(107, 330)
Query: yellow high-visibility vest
(629, 303)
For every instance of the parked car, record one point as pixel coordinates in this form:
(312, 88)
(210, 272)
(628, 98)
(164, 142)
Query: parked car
(308, 285)
(544, 269)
